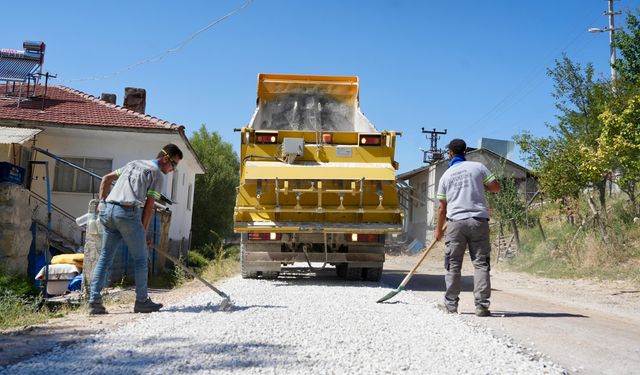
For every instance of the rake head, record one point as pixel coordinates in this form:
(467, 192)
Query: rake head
(226, 304)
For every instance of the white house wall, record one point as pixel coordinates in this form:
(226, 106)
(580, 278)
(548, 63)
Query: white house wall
(121, 147)
(418, 213)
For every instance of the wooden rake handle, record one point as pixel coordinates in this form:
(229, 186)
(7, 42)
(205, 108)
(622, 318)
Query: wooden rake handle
(422, 258)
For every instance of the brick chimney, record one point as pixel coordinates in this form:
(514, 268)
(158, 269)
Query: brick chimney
(108, 97)
(135, 99)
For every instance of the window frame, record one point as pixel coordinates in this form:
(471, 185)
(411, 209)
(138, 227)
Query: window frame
(174, 185)
(190, 197)
(74, 185)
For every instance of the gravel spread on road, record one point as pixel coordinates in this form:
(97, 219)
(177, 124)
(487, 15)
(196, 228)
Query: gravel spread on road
(291, 326)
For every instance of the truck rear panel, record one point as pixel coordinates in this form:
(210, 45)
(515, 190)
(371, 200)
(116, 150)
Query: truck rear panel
(317, 181)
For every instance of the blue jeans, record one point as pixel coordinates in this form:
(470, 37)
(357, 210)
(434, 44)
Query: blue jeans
(121, 223)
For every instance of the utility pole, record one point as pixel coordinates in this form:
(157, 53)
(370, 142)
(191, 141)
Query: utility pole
(434, 152)
(611, 29)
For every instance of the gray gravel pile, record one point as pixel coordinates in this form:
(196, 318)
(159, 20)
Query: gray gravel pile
(293, 326)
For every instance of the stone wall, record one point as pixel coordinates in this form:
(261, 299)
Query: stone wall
(15, 224)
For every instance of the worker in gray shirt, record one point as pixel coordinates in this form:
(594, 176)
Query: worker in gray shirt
(125, 213)
(463, 206)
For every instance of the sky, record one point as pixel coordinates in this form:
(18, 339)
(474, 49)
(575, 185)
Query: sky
(474, 68)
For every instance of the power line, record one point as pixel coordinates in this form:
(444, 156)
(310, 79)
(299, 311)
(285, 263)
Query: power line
(164, 54)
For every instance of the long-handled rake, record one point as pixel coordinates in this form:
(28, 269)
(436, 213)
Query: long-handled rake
(404, 282)
(226, 303)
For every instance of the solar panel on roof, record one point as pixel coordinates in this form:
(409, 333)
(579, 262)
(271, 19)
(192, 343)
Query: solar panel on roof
(21, 67)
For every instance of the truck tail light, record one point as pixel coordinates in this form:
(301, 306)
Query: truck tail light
(265, 236)
(266, 138)
(327, 138)
(370, 140)
(363, 237)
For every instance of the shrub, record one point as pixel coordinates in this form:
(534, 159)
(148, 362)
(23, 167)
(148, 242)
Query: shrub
(197, 260)
(208, 250)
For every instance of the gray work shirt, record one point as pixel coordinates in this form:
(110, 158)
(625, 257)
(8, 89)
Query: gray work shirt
(462, 186)
(136, 181)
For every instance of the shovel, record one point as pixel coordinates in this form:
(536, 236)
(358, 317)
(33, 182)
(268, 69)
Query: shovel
(226, 303)
(404, 282)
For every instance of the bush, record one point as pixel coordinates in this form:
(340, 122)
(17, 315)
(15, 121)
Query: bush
(20, 303)
(208, 251)
(579, 250)
(21, 286)
(197, 260)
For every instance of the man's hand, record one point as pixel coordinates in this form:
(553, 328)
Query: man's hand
(439, 234)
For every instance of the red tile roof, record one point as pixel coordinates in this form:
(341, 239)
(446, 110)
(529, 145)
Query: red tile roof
(64, 105)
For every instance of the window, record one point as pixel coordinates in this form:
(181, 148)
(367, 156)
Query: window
(174, 185)
(189, 197)
(69, 179)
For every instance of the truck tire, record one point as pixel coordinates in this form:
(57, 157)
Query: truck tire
(253, 270)
(270, 274)
(341, 270)
(373, 274)
(246, 274)
(354, 273)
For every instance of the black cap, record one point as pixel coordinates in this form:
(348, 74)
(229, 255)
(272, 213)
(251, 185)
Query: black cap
(457, 146)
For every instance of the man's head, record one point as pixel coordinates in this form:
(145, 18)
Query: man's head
(169, 157)
(457, 147)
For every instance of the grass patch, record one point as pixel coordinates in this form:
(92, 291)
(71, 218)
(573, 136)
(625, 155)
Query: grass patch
(576, 251)
(225, 264)
(21, 304)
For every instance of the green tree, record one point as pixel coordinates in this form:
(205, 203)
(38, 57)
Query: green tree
(564, 161)
(555, 165)
(508, 205)
(620, 146)
(215, 190)
(628, 42)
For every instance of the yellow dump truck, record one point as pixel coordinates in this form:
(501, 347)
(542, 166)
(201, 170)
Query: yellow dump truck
(317, 181)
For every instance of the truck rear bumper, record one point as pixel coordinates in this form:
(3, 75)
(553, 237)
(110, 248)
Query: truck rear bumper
(263, 256)
(296, 227)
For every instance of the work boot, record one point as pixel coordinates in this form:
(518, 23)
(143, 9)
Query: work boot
(97, 308)
(482, 311)
(448, 309)
(147, 306)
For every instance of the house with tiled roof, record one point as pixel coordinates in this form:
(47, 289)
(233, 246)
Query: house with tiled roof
(97, 135)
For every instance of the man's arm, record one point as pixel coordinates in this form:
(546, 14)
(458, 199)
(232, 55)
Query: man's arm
(442, 218)
(105, 185)
(146, 212)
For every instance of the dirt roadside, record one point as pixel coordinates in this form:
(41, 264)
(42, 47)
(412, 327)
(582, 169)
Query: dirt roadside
(19, 344)
(586, 326)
